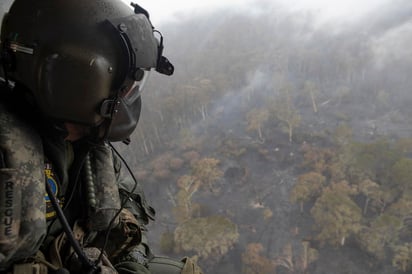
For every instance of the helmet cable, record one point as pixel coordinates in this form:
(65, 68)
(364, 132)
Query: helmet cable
(92, 268)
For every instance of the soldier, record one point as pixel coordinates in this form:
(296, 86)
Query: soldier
(74, 71)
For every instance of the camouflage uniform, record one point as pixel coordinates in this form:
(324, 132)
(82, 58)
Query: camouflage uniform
(86, 180)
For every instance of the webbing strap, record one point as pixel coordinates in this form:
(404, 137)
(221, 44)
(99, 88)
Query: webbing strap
(30, 268)
(37, 265)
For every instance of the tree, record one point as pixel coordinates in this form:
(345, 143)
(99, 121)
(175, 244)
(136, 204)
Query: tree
(381, 198)
(308, 186)
(184, 207)
(371, 190)
(402, 175)
(402, 258)
(207, 171)
(255, 263)
(308, 256)
(371, 160)
(316, 158)
(147, 145)
(402, 209)
(255, 119)
(310, 87)
(297, 260)
(381, 233)
(284, 110)
(161, 167)
(206, 88)
(286, 259)
(209, 237)
(336, 215)
(172, 110)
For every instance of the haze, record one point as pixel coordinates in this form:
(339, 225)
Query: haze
(334, 10)
(283, 141)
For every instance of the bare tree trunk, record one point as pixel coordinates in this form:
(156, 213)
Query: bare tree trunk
(151, 146)
(203, 112)
(156, 131)
(290, 129)
(365, 207)
(146, 150)
(260, 133)
(161, 115)
(314, 105)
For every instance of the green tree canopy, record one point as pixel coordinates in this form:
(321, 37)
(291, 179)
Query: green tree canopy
(308, 186)
(402, 175)
(336, 215)
(207, 171)
(209, 237)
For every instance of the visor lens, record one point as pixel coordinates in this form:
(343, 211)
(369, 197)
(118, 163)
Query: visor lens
(132, 89)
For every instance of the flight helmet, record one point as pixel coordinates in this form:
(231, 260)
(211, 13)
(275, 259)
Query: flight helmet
(84, 62)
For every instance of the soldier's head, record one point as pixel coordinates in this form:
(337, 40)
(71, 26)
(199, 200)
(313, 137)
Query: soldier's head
(84, 62)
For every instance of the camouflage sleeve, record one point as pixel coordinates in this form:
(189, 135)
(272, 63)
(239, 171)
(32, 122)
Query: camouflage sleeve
(22, 190)
(132, 192)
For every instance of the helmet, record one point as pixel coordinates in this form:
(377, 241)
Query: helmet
(84, 61)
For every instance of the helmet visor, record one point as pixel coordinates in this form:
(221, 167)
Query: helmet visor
(132, 89)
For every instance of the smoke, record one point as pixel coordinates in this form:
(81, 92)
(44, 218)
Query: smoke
(393, 45)
(334, 12)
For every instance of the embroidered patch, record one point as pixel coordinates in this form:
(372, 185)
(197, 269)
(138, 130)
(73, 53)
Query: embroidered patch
(52, 181)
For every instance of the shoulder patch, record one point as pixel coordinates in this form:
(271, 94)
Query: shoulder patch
(52, 180)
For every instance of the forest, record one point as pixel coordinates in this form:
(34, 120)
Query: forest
(281, 145)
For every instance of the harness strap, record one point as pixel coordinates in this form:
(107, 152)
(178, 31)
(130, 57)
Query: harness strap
(55, 248)
(36, 265)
